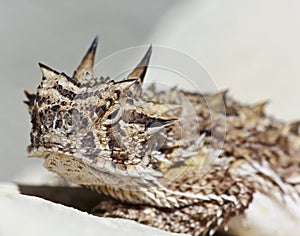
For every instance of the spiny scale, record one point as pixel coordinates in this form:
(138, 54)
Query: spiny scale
(85, 69)
(110, 137)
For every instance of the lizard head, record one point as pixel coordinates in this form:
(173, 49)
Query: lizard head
(83, 122)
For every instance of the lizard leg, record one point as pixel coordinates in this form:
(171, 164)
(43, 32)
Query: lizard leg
(193, 219)
(202, 217)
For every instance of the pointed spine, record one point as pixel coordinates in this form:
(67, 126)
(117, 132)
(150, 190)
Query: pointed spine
(140, 70)
(259, 108)
(85, 68)
(31, 97)
(48, 73)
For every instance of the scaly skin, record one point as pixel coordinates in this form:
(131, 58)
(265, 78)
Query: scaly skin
(165, 165)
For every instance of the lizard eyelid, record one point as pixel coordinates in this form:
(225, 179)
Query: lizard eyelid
(113, 115)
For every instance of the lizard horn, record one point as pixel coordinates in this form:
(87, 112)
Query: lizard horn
(85, 68)
(47, 72)
(140, 70)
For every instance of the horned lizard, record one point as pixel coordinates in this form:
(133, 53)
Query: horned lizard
(124, 141)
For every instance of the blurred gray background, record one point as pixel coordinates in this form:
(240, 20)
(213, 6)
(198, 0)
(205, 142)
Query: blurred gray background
(57, 33)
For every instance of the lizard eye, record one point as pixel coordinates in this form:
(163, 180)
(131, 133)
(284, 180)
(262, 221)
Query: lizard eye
(114, 116)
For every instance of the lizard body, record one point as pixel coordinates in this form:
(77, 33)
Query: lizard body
(137, 146)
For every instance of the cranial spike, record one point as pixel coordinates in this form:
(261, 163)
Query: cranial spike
(295, 127)
(217, 101)
(224, 93)
(220, 96)
(140, 70)
(47, 72)
(125, 84)
(31, 97)
(85, 69)
(259, 108)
